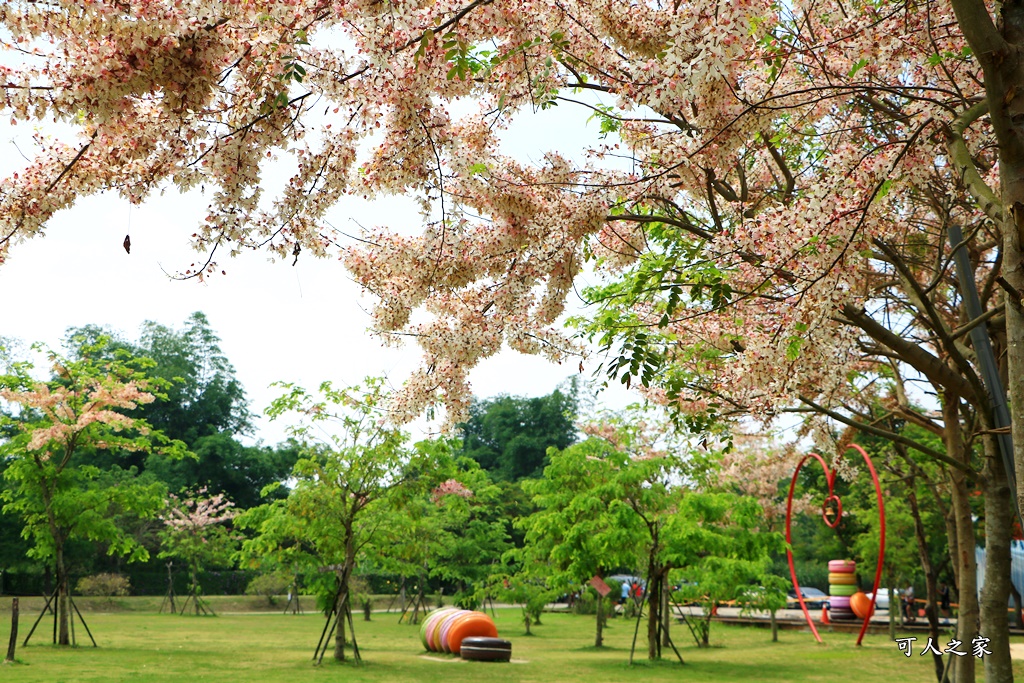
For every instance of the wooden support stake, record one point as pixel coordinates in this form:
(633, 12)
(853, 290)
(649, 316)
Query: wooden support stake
(636, 631)
(352, 630)
(14, 632)
(82, 619)
(41, 615)
(71, 620)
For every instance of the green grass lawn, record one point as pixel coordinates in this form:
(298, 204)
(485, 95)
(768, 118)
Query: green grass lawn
(141, 647)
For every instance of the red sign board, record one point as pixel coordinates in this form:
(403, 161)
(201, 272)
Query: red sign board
(600, 586)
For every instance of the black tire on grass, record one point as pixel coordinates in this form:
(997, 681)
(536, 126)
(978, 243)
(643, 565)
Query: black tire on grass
(486, 649)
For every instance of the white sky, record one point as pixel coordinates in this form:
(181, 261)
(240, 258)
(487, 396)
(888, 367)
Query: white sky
(300, 324)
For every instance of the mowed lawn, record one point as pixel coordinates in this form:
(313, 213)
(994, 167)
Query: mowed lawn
(141, 647)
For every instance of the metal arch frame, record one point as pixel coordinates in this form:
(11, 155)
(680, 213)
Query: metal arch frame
(832, 498)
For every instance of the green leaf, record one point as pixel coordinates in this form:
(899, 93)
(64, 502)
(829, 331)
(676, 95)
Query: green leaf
(884, 188)
(793, 348)
(860, 64)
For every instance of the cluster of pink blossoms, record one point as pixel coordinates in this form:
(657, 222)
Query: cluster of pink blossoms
(198, 512)
(451, 487)
(742, 140)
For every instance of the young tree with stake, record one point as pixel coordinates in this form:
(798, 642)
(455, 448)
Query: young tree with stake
(84, 407)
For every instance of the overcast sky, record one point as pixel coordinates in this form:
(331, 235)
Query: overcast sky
(301, 324)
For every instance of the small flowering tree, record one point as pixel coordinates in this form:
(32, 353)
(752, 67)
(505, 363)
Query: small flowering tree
(53, 427)
(626, 497)
(414, 535)
(194, 532)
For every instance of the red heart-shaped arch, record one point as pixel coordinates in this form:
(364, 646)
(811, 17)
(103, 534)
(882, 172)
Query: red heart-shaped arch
(832, 498)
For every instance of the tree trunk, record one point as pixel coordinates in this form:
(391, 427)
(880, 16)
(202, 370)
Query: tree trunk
(194, 578)
(995, 594)
(63, 590)
(954, 547)
(13, 642)
(1012, 177)
(63, 595)
(967, 623)
(775, 627)
(997, 47)
(653, 615)
(599, 638)
(343, 607)
(931, 591)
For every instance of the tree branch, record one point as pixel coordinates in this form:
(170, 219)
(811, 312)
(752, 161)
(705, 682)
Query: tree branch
(976, 24)
(886, 434)
(961, 158)
(923, 361)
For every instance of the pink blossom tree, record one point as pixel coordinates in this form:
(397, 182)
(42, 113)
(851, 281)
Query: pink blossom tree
(760, 468)
(776, 169)
(53, 426)
(194, 532)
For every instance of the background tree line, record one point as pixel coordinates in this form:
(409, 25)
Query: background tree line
(531, 502)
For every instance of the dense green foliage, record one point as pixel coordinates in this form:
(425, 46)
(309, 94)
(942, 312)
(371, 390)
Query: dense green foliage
(204, 407)
(517, 511)
(510, 435)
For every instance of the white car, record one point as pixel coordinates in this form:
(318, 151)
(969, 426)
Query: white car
(883, 598)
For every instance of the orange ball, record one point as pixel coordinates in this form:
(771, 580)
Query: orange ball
(861, 605)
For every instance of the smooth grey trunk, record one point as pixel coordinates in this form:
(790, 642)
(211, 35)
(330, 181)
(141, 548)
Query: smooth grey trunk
(995, 594)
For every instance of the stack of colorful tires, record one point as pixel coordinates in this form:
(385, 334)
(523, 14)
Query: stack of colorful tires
(445, 629)
(842, 583)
